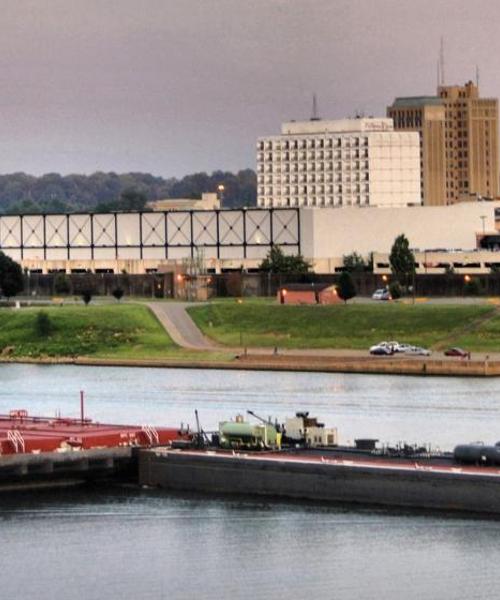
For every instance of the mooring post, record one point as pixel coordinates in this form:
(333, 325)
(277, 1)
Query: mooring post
(82, 406)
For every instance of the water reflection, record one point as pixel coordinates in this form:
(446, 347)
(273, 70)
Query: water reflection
(96, 543)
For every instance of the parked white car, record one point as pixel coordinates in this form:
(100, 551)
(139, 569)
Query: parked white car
(392, 346)
(418, 351)
(402, 347)
(381, 294)
(381, 350)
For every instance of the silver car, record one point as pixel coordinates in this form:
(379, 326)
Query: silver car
(418, 351)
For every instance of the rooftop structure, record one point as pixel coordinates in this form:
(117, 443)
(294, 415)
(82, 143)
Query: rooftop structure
(208, 201)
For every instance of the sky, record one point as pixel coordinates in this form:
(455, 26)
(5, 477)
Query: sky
(173, 87)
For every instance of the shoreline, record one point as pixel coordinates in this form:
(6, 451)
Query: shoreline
(313, 364)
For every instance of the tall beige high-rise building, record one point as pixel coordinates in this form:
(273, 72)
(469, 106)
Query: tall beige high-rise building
(458, 142)
(471, 141)
(426, 115)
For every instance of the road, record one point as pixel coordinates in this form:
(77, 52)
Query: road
(180, 326)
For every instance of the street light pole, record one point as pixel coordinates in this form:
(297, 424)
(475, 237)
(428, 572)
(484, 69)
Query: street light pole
(220, 192)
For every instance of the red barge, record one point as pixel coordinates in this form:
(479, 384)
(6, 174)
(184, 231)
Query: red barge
(45, 451)
(23, 434)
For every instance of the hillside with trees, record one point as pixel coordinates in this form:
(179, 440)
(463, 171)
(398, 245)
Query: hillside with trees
(21, 193)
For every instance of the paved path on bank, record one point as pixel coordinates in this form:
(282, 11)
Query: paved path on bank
(179, 325)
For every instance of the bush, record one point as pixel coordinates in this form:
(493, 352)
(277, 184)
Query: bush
(61, 284)
(43, 324)
(395, 290)
(87, 296)
(346, 288)
(471, 288)
(117, 293)
(11, 276)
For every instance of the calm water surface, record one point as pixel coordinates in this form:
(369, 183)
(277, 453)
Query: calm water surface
(128, 544)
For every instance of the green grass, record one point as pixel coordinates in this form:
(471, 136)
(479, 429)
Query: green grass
(353, 326)
(484, 338)
(116, 331)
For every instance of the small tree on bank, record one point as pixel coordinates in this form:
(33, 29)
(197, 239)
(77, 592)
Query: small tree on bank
(117, 294)
(62, 284)
(11, 276)
(402, 261)
(43, 324)
(395, 290)
(346, 288)
(87, 296)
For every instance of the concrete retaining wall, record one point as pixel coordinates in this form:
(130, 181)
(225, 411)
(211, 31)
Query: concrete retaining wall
(369, 364)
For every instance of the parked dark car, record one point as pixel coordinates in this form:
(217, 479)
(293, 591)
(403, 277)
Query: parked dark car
(457, 352)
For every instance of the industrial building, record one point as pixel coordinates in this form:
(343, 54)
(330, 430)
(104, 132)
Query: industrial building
(208, 201)
(351, 162)
(211, 241)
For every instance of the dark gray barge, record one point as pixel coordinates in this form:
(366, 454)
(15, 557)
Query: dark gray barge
(54, 469)
(418, 483)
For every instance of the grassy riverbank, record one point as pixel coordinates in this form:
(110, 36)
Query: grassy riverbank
(354, 326)
(125, 331)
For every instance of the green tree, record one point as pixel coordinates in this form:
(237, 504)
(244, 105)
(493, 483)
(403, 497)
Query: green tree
(472, 287)
(21, 193)
(354, 263)
(402, 260)
(87, 296)
(11, 276)
(43, 324)
(118, 293)
(62, 284)
(395, 290)
(278, 262)
(346, 288)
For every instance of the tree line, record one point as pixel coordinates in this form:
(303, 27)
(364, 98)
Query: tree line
(54, 193)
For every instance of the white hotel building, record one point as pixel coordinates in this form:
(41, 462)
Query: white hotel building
(350, 162)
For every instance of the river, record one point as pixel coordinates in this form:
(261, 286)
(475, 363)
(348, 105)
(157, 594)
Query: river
(129, 543)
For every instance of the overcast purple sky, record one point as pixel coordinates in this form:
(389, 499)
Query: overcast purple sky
(177, 86)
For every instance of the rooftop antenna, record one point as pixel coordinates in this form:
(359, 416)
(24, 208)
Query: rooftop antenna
(441, 61)
(438, 74)
(477, 76)
(314, 115)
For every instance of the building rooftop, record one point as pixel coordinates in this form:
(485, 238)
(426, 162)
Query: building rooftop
(307, 287)
(417, 101)
(321, 126)
(208, 201)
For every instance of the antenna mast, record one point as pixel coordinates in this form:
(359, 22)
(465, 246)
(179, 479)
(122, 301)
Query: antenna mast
(477, 76)
(441, 61)
(314, 114)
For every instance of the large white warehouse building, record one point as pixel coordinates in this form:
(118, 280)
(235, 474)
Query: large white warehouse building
(351, 162)
(241, 238)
